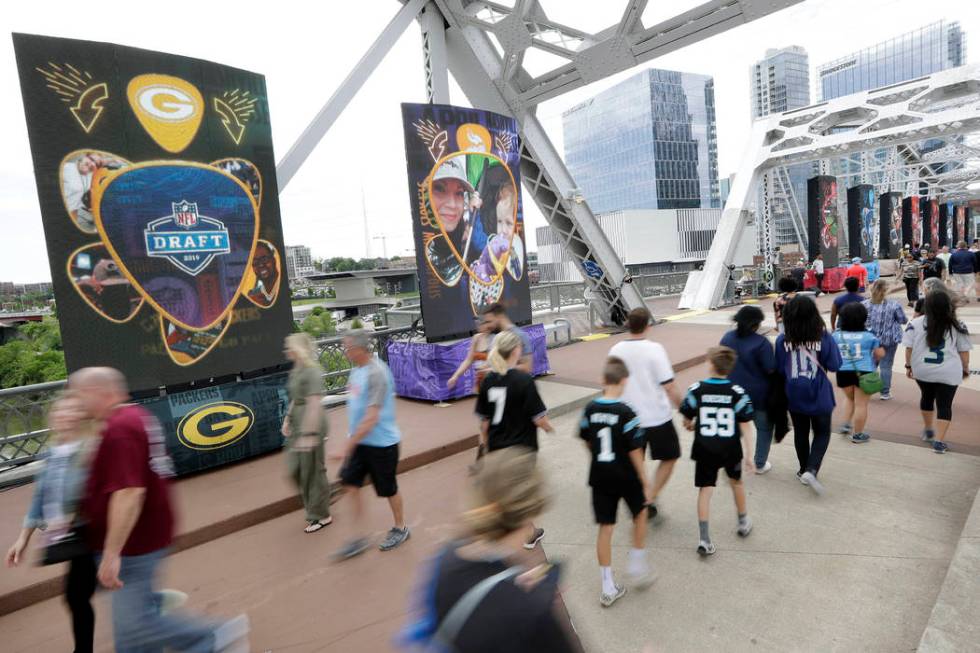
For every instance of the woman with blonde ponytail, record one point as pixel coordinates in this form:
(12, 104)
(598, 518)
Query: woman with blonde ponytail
(509, 405)
(478, 595)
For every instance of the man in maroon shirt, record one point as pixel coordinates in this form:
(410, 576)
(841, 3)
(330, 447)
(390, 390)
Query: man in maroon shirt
(130, 521)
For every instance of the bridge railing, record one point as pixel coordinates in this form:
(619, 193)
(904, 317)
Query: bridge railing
(556, 296)
(23, 410)
(23, 421)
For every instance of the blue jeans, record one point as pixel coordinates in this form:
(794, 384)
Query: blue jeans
(763, 436)
(138, 626)
(885, 365)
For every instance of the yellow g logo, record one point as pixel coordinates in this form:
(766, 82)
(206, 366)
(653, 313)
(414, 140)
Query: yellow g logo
(168, 108)
(215, 425)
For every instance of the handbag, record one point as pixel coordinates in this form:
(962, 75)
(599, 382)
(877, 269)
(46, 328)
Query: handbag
(869, 382)
(72, 544)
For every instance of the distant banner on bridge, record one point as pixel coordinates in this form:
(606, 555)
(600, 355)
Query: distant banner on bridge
(823, 219)
(464, 185)
(930, 222)
(959, 225)
(911, 222)
(946, 218)
(889, 225)
(862, 222)
(156, 180)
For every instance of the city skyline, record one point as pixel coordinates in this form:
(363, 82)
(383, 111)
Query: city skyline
(322, 206)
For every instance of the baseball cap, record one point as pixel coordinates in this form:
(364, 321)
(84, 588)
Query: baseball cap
(453, 168)
(856, 259)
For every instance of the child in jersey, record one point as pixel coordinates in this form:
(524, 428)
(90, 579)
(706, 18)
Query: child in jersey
(509, 406)
(613, 435)
(716, 410)
(860, 351)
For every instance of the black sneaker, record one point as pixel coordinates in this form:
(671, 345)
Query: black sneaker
(651, 511)
(534, 539)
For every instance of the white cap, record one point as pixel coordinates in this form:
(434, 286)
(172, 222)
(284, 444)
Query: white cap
(453, 168)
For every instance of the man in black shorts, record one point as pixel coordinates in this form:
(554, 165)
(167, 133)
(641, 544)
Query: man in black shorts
(614, 438)
(372, 445)
(716, 410)
(651, 393)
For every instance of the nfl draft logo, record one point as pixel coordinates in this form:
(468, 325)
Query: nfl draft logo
(188, 239)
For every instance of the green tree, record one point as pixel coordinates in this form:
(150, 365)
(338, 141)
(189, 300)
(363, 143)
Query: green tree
(319, 325)
(35, 357)
(356, 323)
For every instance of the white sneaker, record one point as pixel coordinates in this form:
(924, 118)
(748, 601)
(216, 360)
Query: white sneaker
(810, 479)
(764, 469)
(232, 635)
(641, 580)
(605, 600)
(744, 529)
(705, 548)
(170, 600)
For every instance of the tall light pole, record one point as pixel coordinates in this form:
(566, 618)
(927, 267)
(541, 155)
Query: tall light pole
(384, 244)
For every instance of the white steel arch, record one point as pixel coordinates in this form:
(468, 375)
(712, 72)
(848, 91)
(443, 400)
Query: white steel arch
(941, 105)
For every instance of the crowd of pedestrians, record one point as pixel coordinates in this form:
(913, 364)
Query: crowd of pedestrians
(103, 499)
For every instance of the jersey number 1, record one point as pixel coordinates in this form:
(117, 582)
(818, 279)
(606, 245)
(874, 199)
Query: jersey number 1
(606, 453)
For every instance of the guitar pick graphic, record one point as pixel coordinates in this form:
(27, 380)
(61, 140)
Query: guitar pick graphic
(187, 347)
(97, 278)
(261, 285)
(78, 172)
(168, 108)
(183, 233)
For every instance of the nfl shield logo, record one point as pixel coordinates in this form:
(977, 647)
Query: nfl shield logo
(185, 213)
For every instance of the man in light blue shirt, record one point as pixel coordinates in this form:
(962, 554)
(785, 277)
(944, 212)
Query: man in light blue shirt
(372, 444)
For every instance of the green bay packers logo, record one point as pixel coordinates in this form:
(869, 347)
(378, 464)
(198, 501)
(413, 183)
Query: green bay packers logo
(216, 425)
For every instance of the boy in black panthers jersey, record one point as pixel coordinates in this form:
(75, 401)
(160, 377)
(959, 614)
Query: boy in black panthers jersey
(716, 410)
(612, 434)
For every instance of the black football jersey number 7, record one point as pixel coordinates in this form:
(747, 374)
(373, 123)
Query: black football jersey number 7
(510, 402)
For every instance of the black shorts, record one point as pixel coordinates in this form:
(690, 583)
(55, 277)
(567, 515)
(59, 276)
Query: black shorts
(380, 463)
(706, 470)
(846, 379)
(605, 500)
(663, 442)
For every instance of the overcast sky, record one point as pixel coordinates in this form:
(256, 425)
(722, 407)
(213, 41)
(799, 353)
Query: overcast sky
(305, 54)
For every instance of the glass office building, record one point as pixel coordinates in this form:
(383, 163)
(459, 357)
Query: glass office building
(650, 142)
(780, 81)
(927, 50)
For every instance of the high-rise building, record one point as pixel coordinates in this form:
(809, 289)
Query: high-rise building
(924, 51)
(650, 142)
(780, 81)
(299, 261)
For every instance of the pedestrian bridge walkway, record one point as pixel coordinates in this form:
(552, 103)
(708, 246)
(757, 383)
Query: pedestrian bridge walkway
(859, 569)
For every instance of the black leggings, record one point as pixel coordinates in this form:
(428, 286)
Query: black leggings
(911, 289)
(810, 457)
(938, 397)
(79, 587)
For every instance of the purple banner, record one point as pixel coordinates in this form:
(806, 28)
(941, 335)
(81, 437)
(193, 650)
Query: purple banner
(421, 370)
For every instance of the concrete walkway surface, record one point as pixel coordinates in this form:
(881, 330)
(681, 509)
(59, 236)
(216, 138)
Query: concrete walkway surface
(856, 570)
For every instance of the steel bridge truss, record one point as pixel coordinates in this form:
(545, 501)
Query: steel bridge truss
(484, 44)
(945, 105)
